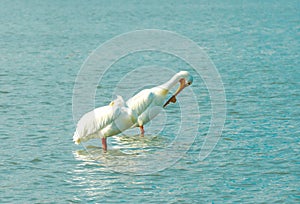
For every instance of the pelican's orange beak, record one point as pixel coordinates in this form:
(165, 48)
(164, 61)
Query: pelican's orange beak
(180, 88)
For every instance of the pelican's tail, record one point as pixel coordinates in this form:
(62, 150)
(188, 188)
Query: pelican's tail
(76, 138)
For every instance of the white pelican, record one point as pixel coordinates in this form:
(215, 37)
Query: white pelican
(104, 122)
(148, 102)
(113, 119)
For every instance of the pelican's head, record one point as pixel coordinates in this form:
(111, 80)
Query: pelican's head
(185, 80)
(185, 77)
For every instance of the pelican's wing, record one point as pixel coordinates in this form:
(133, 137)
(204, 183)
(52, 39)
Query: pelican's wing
(93, 121)
(141, 101)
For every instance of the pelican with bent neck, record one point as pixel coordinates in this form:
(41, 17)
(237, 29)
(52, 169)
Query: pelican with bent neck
(148, 103)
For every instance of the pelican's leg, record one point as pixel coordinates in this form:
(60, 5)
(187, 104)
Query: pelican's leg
(104, 144)
(142, 130)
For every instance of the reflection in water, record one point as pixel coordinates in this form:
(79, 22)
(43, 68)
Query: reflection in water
(125, 153)
(96, 169)
(137, 155)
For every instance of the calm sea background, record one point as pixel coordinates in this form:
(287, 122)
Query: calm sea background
(253, 44)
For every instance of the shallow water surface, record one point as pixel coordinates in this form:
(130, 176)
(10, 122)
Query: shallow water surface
(255, 47)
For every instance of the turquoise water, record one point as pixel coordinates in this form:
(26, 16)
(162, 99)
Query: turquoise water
(255, 47)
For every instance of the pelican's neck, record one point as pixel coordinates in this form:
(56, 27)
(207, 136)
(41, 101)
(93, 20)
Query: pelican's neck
(171, 83)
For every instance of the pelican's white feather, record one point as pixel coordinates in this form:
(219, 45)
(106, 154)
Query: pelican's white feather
(104, 121)
(145, 104)
(141, 101)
